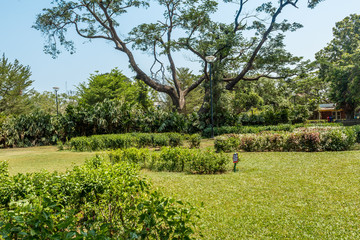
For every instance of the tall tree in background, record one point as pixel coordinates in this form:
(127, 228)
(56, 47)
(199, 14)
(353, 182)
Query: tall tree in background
(184, 26)
(14, 84)
(114, 85)
(340, 64)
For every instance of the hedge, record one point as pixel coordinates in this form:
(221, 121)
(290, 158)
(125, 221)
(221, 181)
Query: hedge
(172, 159)
(114, 141)
(308, 140)
(257, 129)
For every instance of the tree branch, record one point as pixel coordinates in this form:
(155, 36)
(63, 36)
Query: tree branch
(248, 66)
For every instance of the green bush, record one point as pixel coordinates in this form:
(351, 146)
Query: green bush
(95, 201)
(338, 139)
(194, 140)
(175, 139)
(226, 143)
(307, 140)
(356, 129)
(114, 141)
(174, 159)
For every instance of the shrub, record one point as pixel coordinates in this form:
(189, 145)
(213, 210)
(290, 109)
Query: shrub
(226, 143)
(308, 140)
(160, 140)
(114, 141)
(175, 139)
(356, 129)
(338, 139)
(94, 201)
(174, 159)
(194, 140)
(133, 155)
(207, 162)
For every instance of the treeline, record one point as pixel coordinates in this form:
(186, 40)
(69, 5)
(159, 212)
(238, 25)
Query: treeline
(110, 117)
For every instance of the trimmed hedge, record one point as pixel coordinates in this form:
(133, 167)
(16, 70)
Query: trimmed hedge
(98, 200)
(257, 129)
(174, 159)
(114, 141)
(307, 140)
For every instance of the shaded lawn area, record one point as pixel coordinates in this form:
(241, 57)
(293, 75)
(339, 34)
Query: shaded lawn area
(275, 196)
(34, 159)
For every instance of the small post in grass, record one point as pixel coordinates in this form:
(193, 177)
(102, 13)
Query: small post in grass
(235, 160)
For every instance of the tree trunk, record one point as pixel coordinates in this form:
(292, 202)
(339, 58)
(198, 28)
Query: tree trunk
(179, 101)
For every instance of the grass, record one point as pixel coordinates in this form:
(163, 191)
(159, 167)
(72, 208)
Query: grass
(26, 160)
(272, 196)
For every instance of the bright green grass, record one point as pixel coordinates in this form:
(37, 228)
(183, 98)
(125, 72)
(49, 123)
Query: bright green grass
(34, 159)
(275, 196)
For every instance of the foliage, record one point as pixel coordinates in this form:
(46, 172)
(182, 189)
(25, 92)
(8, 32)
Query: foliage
(339, 64)
(114, 85)
(183, 26)
(46, 101)
(174, 159)
(249, 129)
(194, 140)
(14, 84)
(114, 141)
(94, 201)
(36, 128)
(305, 140)
(114, 116)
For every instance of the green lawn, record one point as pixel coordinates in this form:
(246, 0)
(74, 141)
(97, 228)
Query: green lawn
(272, 196)
(275, 196)
(37, 158)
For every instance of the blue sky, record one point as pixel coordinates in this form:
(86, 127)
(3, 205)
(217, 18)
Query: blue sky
(19, 41)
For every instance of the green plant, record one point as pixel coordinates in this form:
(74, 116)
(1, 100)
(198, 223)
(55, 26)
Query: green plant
(98, 200)
(194, 140)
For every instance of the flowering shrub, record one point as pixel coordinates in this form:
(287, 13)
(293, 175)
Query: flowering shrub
(307, 140)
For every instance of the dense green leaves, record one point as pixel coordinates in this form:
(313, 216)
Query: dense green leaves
(339, 64)
(305, 139)
(96, 201)
(114, 85)
(174, 159)
(14, 84)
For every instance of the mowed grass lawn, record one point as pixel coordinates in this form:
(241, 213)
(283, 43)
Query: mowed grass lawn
(272, 196)
(34, 159)
(275, 196)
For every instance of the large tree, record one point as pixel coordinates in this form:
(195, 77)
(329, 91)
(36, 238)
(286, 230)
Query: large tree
(184, 26)
(14, 85)
(340, 64)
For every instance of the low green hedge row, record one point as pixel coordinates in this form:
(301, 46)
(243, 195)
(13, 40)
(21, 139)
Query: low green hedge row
(98, 200)
(334, 139)
(173, 159)
(114, 141)
(257, 129)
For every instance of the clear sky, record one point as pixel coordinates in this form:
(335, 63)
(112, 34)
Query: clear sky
(19, 41)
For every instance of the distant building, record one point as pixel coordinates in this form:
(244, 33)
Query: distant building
(329, 110)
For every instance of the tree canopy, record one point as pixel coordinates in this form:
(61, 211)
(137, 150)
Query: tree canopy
(113, 85)
(14, 85)
(340, 64)
(184, 26)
